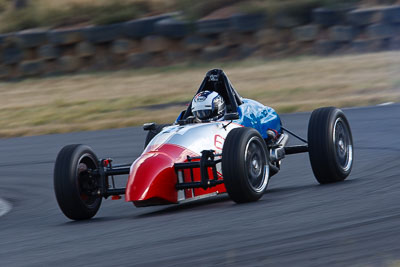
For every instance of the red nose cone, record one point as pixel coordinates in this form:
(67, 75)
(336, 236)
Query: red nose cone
(152, 180)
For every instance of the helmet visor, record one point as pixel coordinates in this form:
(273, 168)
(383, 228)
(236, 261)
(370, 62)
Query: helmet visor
(202, 114)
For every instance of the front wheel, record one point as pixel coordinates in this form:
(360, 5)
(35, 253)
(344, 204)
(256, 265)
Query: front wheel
(74, 186)
(330, 145)
(245, 165)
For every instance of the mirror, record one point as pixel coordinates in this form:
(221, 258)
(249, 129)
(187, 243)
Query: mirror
(149, 126)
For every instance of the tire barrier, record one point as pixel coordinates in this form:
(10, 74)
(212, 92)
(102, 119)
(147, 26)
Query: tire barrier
(391, 14)
(306, 33)
(11, 55)
(103, 34)
(65, 37)
(31, 67)
(324, 47)
(49, 52)
(247, 23)
(212, 26)
(363, 17)
(31, 39)
(167, 39)
(172, 28)
(342, 33)
(380, 31)
(140, 28)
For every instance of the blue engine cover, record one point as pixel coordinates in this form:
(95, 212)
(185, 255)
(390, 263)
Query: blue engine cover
(255, 115)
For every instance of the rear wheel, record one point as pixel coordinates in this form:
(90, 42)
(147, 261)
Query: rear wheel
(330, 145)
(245, 165)
(75, 188)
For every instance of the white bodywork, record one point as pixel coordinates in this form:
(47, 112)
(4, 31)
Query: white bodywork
(195, 137)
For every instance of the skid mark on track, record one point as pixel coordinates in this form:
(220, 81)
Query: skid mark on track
(4, 207)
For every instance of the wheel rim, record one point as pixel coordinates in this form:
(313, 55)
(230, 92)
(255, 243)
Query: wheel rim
(256, 165)
(343, 144)
(87, 184)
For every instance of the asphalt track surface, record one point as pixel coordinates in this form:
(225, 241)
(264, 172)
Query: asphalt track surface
(297, 222)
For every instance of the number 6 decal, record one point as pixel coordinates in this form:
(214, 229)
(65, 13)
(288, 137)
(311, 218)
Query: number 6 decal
(218, 142)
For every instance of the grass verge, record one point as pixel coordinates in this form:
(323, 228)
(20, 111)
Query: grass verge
(132, 97)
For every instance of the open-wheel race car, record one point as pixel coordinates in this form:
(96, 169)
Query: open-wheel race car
(222, 143)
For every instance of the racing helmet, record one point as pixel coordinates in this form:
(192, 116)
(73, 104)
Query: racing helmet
(208, 105)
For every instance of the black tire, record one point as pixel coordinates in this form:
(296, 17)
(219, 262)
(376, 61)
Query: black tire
(213, 26)
(152, 133)
(247, 22)
(245, 180)
(330, 145)
(73, 186)
(172, 28)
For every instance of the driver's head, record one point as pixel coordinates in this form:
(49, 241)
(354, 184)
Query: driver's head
(207, 106)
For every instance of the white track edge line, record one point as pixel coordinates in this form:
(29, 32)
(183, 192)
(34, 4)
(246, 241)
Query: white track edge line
(4, 207)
